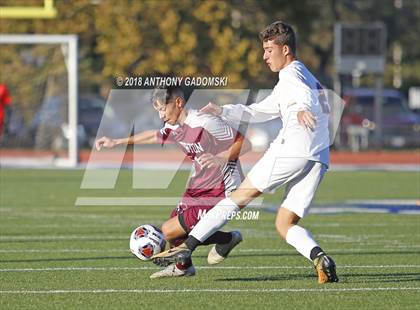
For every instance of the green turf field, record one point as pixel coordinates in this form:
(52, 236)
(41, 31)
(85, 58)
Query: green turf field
(56, 255)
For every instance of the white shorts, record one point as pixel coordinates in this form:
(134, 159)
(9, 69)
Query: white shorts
(301, 176)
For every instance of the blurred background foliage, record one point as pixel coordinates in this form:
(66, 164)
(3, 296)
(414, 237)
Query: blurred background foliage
(203, 38)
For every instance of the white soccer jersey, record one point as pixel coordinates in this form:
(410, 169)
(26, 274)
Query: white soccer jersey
(296, 90)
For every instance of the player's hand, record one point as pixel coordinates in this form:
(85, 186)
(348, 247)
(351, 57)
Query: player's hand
(211, 108)
(209, 161)
(104, 142)
(306, 119)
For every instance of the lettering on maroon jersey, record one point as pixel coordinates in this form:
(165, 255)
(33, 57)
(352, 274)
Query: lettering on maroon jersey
(195, 148)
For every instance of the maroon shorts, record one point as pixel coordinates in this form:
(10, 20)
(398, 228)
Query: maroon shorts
(190, 210)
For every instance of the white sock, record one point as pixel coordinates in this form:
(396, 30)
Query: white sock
(301, 240)
(214, 219)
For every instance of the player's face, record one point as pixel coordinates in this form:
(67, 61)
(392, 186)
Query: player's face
(169, 113)
(275, 55)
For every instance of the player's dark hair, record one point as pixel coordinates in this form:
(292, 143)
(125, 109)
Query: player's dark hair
(164, 94)
(281, 33)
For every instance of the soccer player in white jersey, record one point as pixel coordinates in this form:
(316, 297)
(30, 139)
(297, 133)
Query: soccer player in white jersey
(297, 158)
(214, 148)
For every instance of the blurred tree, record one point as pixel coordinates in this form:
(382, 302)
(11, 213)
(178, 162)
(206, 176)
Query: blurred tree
(197, 38)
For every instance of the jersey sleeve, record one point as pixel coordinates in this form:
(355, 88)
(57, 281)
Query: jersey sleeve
(218, 136)
(164, 136)
(263, 111)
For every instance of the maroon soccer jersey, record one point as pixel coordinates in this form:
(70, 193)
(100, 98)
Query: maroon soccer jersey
(202, 134)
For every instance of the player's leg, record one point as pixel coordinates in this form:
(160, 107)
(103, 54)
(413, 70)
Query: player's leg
(224, 242)
(299, 194)
(175, 234)
(295, 235)
(220, 251)
(219, 215)
(211, 222)
(175, 231)
(259, 179)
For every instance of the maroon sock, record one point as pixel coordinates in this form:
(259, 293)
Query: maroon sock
(184, 266)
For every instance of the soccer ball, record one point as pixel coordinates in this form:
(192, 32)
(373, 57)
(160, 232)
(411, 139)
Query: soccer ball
(146, 241)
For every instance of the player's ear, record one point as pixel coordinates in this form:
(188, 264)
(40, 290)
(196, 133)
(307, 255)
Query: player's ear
(286, 50)
(179, 102)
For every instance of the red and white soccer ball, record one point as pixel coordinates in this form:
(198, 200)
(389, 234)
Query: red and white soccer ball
(146, 241)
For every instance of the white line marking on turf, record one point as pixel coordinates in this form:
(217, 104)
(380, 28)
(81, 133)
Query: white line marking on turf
(136, 201)
(66, 251)
(62, 237)
(391, 202)
(197, 267)
(255, 234)
(355, 250)
(202, 251)
(278, 290)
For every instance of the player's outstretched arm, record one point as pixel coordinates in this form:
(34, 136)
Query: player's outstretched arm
(211, 108)
(145, 137)
(259, 112)
(104, 142)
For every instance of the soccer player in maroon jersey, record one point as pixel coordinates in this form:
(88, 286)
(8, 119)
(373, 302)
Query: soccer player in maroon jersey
(214, 148)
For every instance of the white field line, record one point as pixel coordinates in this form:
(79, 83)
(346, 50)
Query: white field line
(354, 250)
(410, 202)
(138, 201)
(74, 227)
(198, 267)
(397, 244)
(66, 251)
(278, 290)
(339, 238)
(202, 251)
(75, 217)
(62, 237)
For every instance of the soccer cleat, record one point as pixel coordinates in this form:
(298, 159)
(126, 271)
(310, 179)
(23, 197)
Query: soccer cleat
(179, 255)
(173, 271)
(219, 252)
(325, 268)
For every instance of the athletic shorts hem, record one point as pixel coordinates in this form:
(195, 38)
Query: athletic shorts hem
(300, 213)
(182, 222)
(261, 190)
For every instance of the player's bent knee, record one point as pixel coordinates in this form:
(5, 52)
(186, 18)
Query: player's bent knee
(281, 226)
(167, 231)
(245, 194)
(282, 229)
(172, 229)
(284, 220)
